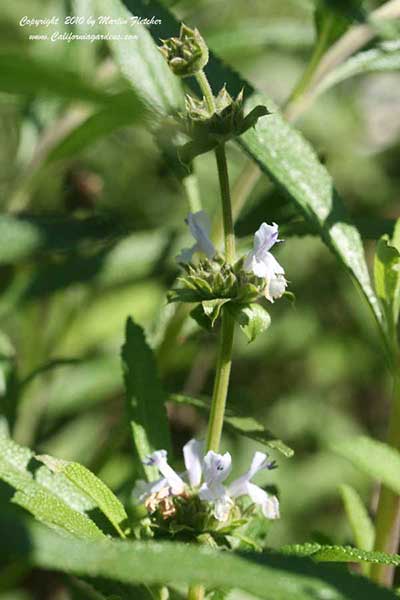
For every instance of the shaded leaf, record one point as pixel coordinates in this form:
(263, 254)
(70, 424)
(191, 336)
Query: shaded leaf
(377, 460)
(145, 396)
(360, 522)
(387, 281)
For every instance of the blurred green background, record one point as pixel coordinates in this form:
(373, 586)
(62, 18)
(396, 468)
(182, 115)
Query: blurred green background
(95, 242)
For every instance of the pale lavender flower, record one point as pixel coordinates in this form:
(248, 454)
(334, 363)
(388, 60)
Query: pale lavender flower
(263, 264)
(199, 225)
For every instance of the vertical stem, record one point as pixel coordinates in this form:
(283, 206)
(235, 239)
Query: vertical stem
(224, 361)
(226, 203)
(221, 382)
(387, 526)
(206, 90)
(196, 592)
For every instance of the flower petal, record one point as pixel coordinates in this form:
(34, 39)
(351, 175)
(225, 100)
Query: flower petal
(211, 493)
(199, 225)
(193, 456)
(159, 459)
(216, 467)
(265, 237)
(269, 504)
(275, 288)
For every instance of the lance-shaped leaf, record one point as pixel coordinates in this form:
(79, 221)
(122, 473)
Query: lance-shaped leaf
(269, 576)
(246, 426)
(93, 487)
(145, 396)
(360, 522)
(285, 156)
(324, 553)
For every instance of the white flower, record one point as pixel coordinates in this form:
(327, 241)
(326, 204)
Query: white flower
(243, 487)
(263, 264)
(199, 225)
(205, 476)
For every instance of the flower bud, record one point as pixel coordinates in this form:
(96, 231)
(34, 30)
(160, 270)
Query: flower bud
(187, 54)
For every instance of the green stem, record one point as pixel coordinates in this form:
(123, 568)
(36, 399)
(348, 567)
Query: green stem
(387, 526)
(207, 91)
(224, 361)
(196, 592)
(319, 49)
(221, 382)
(227, 218)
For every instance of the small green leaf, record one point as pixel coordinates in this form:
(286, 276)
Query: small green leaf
(377, 460)
(246, 426)
(387, 280)
(252, 319)
(91, 485)
(212, 308)
(144, 395)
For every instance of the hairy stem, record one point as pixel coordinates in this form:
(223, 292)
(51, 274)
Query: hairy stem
(206, 91)
(221, 382)
(387, 526)
(227, 218)
(196, 592)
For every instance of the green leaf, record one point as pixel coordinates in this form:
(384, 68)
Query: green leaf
(324, 553)
(285, 156)
(332, 19)
(246, 426)
(387, 281)
(98, 125)
(212, 308)
(22, 236)
(145, 396)
(360, 522)
(377, 460)
(384, 58)
(142, 63)
(252, 319)
(266, 576)
(91, 485)
(24, 74)
(50, 498)
(359, 519)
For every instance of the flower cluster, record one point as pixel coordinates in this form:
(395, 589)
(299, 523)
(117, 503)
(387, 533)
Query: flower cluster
(187, 54)
(212, 283)
(206, 131)
(203, 485)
